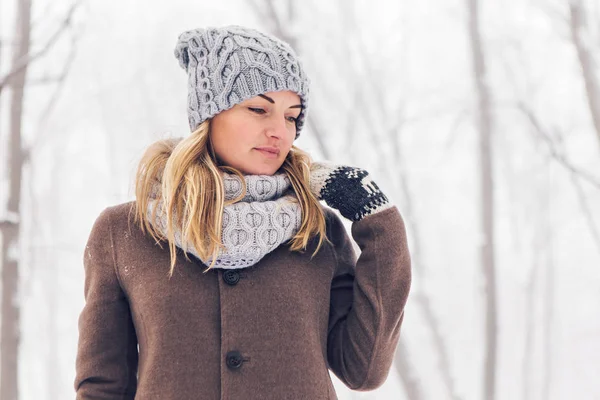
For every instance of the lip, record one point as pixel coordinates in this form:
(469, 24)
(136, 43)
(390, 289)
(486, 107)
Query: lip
(270, 152)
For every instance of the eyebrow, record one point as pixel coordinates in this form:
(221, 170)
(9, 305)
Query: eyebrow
(270, 100)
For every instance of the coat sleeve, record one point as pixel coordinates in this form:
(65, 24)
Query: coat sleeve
(107, 355)
(367, 299)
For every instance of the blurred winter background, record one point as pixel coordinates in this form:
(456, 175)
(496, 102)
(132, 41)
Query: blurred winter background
(480, 118)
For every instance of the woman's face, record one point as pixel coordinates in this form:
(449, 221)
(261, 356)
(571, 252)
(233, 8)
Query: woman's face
(256, 135)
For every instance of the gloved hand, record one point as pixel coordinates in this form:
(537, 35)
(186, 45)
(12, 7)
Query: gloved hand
(347, 189)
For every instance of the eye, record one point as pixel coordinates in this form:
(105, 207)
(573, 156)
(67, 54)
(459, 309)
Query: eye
(257, 110)
(292, 119)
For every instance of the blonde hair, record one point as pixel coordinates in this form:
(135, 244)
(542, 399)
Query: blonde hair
(193, 194)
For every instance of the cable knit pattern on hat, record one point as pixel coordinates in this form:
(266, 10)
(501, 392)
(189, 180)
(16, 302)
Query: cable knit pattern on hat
(266, 217)
(229, 65)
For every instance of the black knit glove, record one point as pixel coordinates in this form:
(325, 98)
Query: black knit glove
(347, 189)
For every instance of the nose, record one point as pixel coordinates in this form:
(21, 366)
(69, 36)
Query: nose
(277, 127)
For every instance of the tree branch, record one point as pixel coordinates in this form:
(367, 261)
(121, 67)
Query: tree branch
(26, 60)
(554, 152)
(54, 98)
(585, 208)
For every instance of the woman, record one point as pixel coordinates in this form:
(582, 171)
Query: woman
(259, 292)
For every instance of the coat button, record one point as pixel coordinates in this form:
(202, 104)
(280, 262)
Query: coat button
(231, 277)
(234, 359)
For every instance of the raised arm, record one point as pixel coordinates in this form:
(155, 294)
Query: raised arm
(367, 299)
(368, 295)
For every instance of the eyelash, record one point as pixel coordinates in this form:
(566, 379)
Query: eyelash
(260, 111)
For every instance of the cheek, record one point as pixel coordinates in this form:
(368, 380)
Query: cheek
(229, 146)
(289, 141)
(229, 136)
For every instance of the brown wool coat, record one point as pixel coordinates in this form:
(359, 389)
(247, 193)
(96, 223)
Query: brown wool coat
(289, 317)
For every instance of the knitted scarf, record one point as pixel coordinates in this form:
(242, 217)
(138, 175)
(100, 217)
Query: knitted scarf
(266, 217)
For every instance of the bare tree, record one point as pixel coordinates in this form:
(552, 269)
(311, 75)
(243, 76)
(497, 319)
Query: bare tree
(530, 291)
(60, 81)
(391, 124)
(557, 153)
(420, 297)
(52, 284)
(20, 64)
(577, 26)
(543, 271)
(542, 230)
(546, 234)
(548, 138)
(484, 127)
(11, 225)
(9, 344)
(410, 380)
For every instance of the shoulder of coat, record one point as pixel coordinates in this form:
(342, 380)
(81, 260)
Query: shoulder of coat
(122, 213)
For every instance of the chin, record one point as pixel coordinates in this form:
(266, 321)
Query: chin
(264, 170)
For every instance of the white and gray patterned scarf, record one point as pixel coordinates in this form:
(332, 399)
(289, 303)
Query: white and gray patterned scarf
(266, 217)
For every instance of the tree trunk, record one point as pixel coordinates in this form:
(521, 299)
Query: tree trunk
(9, 343)
(419, 295)
(586, 61)
(484, 126)
(539, 249)
(530, 292)
(52, 283)
(406, 372)
(548, 319)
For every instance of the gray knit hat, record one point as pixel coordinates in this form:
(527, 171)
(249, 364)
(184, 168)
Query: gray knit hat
(231, 64)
